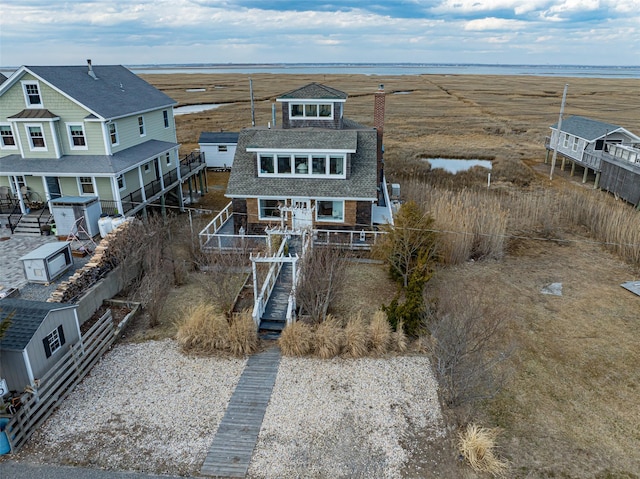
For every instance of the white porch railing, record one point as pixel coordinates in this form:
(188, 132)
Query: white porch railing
(355, 240)
(268, 285)
(210, 230)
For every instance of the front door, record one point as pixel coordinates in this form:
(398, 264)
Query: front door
(53, 185)
(302, 216)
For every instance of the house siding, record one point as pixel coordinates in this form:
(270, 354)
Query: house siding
(14, 370)
(40, 364)
(129, 133)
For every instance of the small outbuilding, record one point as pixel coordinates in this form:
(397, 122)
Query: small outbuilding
(39, 333)
(219, 148)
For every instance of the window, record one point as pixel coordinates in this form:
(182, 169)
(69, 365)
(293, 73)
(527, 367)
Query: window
(311, 110)
(266, 164)
(6, 137)
(284, 164)
(575, 144)
(141, 125)
(76, 137)
(165, 117)
(113, 133)
(330, 211)
(319, 165)
(222, 148)
(269, 209)
(36, 137)
(147, 168)
(86, 185)
(167, 159)
(121, 183)
(565, 142)
(32, 95)
(302, 164)
(336, 165)
(53, 341)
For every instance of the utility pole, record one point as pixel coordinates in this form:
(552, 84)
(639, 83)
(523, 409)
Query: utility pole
(253, 110)
(555, 149)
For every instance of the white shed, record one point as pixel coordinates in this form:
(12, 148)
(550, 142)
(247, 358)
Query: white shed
(218, 148)
(47, 262)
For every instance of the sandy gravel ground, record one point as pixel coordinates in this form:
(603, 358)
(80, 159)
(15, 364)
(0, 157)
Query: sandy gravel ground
(147, 407)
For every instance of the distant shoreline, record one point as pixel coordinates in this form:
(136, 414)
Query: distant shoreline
(388, 69)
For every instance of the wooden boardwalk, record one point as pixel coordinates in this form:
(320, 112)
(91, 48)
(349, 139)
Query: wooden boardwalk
(233, 444)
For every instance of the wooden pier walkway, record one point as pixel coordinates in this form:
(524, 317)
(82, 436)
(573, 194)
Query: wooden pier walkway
(237, 435)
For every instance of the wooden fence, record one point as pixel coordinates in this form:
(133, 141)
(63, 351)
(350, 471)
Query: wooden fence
(60, 381)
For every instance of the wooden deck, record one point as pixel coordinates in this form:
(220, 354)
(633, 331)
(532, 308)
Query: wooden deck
(232, 447)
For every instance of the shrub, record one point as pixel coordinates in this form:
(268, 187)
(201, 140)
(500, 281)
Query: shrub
(477, 445)
(203, 330)
(356, 337)
(379, 333)
(296, 339)
(329, 338)
(243, 336)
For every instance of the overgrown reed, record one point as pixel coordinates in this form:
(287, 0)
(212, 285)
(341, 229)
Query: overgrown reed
(356, 337)
(243, 336)
(296, 339)
(475, 223)
(379, 333)
(203, 330)
(477, 445)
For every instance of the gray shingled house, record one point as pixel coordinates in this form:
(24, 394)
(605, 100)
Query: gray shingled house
(95, 131)
(316, 169)
(610, 151)
(36, 338)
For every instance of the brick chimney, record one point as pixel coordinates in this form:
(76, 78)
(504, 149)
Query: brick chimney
(378, 124)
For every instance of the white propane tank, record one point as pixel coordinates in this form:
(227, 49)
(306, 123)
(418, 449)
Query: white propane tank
(117, 221)
(104, 225)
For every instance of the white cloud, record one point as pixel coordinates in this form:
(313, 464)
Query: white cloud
(493, 23)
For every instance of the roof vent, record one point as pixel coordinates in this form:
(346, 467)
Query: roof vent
(90, 72)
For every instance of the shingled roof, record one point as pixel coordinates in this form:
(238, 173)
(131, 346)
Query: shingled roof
(114, 92)
(27, 316)
(74, 165)
(361, 184)
(586, 128)
(314, 91)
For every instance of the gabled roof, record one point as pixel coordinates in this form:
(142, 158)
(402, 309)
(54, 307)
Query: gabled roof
(114, 93)
(587, 128)
(27, 318)
(218, 137)
(314, 91)
(2, 78)
(76, 165)
(361, 184)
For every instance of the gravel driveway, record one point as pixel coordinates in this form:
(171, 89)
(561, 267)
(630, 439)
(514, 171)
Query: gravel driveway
(146, 407)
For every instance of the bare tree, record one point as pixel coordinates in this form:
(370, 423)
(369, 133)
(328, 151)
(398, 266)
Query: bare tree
(469, 345)
(322, 275)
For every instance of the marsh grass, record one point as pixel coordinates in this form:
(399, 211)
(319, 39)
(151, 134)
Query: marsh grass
(477, 445)
(380, 334)
(296, 339)
(329, 338)
(356, 336)
(243, 337)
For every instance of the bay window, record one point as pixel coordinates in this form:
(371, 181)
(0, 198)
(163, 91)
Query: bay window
(36, 137)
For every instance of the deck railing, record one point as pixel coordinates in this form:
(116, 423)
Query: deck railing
(268, 285)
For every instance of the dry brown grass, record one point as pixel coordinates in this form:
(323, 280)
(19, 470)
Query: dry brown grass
(477, 445)
(328, 338)
(356, 337)
(203, 330)
(296, 339)
(379, 333)
(399, 339)
(243, 337)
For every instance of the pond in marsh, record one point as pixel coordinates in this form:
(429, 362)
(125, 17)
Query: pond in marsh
(453, 165)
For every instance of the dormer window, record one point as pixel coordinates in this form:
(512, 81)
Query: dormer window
(302, 165)
(311, 110)
(32, 94)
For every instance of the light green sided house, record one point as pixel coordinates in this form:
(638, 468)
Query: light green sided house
(87, 131)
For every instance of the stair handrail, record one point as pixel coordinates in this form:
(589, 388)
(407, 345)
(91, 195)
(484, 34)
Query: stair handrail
(269, 283)
(15, 210)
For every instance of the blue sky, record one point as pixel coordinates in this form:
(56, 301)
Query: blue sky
(129, 32)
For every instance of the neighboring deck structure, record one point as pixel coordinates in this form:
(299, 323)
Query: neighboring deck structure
(610, 151)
